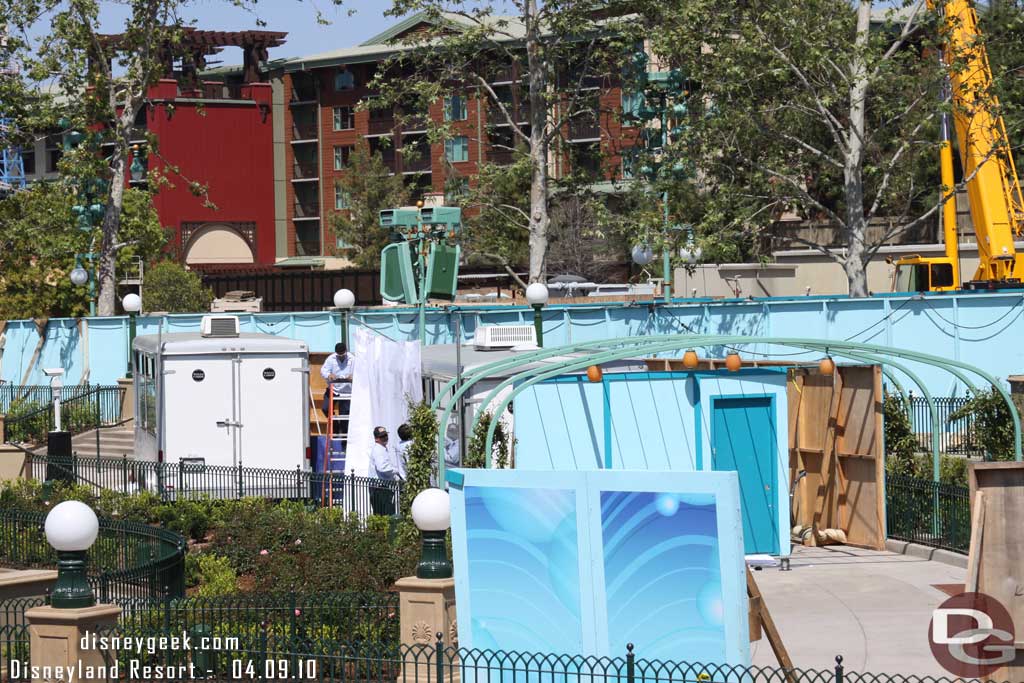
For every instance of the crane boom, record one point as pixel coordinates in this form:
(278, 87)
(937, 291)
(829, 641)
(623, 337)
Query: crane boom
(993, 189)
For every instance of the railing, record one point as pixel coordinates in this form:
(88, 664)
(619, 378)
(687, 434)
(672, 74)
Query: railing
(192, 481)
(14, 652)
(417, 161)
(128, 559)
(307, 247)
(311, 657)
(304, 130)
(305, 170)
(82, 409)
(307, 209)
(927, 512)
(379, 125)
(955, 436)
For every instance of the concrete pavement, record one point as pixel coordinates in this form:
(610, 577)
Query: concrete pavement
(871, 607)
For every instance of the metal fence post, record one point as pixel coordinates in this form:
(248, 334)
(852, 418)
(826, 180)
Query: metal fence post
(298, 483)
(839, 669)
(439, 658)
(630, 664)
(240, 487)
(351, 507)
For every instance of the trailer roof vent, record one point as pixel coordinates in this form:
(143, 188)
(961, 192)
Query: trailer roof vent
(504, 336)
(219, 326)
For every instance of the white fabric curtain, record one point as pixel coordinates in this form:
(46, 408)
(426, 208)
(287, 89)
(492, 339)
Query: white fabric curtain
(386, 375)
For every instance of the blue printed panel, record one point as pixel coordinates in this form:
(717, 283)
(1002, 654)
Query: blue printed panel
(523, 550)
(663, 575)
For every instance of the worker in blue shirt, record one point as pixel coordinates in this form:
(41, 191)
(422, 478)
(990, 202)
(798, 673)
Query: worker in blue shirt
(337, 370)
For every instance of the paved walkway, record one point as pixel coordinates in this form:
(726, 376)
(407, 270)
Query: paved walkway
(871, 607)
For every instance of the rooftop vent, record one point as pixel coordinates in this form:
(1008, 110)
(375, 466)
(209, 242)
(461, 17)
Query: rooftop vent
(219, 326)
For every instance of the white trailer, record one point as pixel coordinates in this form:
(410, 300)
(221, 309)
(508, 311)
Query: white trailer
(220, 398)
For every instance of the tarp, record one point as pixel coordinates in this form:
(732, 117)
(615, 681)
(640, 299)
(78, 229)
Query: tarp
(387, 375)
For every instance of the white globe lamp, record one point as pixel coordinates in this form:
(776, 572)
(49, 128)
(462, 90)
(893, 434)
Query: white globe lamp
(642, 254)
(71, 528)
(690, 253)
(79, 276)
(344, 299)
(432, 514)
(131, 303)
(537, 296)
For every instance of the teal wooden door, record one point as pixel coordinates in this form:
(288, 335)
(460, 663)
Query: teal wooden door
(743, 440)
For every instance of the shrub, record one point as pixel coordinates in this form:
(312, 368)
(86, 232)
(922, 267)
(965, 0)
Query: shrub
(900, 443)
(173, 289)
(31, 430)
(216, 577)
(475, 451)
(992, 426)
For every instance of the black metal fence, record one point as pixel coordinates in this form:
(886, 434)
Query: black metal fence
(302, 290)
(927, 512)
(29, 411)
(128, 559)
(193, 481)
(313, 658)
(955, 436)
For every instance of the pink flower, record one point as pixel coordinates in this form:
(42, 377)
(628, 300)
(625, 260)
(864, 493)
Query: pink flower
(264, 552)
(298, 613)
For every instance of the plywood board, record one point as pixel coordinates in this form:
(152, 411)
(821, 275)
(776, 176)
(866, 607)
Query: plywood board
(997, 557)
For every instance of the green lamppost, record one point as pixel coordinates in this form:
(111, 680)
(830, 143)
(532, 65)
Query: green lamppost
(71, 528)
(80, 276)
(432, 514)
(344, 300)
(537, 296)
(132, 304)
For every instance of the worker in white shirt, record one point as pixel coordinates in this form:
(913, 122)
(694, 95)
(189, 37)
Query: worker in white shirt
(402, 451)
(337, 370)
(382, 466)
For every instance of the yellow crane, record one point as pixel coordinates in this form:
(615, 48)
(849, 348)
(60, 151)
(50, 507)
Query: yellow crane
(993, 189)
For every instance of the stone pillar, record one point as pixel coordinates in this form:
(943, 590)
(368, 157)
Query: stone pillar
(426, 608)
(12, 463)
(127, 399)
(56, 641)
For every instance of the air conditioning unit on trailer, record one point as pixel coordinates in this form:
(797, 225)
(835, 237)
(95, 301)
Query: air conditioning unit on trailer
(219, 326)
(504, 336)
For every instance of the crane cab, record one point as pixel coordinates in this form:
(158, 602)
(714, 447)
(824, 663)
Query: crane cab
(919, 274)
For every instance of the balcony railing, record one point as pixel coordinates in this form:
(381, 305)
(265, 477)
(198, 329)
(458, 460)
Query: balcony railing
(307, 210)
(501, 156)
(584, 128)
(213, 90)
(304, 130)
(304, 170)
(307, 247)
(378, 126)
(416, 162)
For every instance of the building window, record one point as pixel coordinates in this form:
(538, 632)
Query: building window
(631, 104)
(342, 200)
(455, 108)
(456, 188)
(344, 80)
(344, 118)
(54, 151)
(341, 155)
(457, 148)
(28, 160)
(628, 166)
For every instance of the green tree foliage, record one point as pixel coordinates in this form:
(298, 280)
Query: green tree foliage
(900, 442)
(422, 454)
(170, 288)
(369, 187)
(39, 240)
(822, 107)
(476, 449)
(992, 428)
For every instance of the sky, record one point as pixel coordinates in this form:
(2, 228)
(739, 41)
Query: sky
(297, 17)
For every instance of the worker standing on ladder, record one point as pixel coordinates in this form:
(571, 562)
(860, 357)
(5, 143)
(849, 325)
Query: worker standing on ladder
(337, 370)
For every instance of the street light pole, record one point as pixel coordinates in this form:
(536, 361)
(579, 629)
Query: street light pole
(132, 304)
(344, 300)
(537, 296)
(667, 253)
(421, 247)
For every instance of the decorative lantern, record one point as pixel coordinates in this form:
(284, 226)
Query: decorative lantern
(733, 362)
(690, 359)
(827, 366)
(594, 373)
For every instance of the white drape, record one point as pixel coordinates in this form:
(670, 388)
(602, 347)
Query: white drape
(386, 375)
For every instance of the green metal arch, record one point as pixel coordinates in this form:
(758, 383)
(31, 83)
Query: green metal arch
(653, 344)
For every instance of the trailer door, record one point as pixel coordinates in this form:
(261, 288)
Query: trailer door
(274, 410)
(199, 409)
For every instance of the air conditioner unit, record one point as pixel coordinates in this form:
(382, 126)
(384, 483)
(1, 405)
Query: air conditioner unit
(504, 336)
(219, 326)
